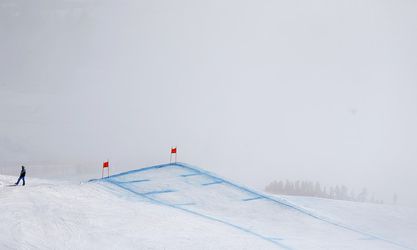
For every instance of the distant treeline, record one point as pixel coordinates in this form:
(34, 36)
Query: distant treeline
(309, 188)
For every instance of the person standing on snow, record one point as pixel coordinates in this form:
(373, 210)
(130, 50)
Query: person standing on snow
(22, 176)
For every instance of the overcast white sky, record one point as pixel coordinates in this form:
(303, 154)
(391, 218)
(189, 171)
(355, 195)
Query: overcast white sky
(252, 90)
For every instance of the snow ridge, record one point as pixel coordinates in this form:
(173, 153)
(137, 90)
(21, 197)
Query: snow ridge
(174, 191)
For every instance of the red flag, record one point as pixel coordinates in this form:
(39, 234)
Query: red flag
(105, 164)
(174, 150)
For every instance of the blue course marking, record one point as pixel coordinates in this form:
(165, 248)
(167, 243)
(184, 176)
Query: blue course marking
(242, 188)
(142, 170)
(212, 183)
(185, 204)
(276, 239)
(193, 174)
(128, 182)
(159, 192)
(203, 215)
(295, 207)
(254, 198)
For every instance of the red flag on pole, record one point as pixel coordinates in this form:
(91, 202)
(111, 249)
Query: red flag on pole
(105, 165)
(173, 152)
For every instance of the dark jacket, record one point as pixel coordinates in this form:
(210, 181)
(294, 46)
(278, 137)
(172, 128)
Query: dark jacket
(23, 172)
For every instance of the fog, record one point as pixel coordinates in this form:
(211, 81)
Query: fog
(252, 90)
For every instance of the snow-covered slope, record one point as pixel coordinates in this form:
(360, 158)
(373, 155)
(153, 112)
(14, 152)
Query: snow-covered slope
(183, 207)
(391, 222)
(45, 215)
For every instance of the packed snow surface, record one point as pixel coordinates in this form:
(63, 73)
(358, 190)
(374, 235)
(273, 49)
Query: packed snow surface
(182, 207)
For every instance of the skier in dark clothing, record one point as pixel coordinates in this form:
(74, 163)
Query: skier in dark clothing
(22, 176)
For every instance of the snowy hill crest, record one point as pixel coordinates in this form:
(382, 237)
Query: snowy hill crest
(276, 220)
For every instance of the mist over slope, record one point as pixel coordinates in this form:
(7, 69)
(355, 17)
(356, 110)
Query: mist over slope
(321, 90)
